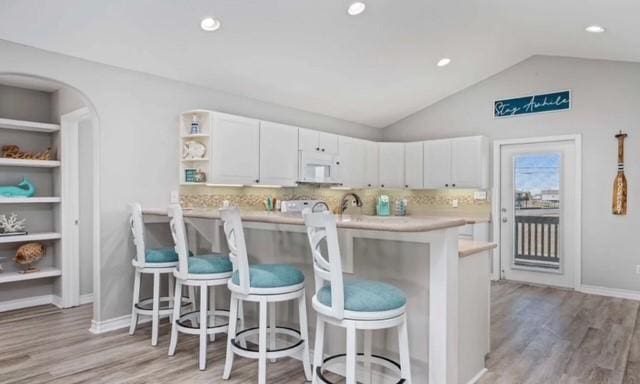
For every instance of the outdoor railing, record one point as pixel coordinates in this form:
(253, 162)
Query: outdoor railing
(536, 239)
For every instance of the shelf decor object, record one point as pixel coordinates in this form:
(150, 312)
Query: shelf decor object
(28, 254)
(11, 226)
(619, 206)
(193, 150)
(195, 125)
(14, 152)
(24, 189)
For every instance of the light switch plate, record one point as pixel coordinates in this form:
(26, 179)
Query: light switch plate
(175, 197)
(454, 203)
(480, 195)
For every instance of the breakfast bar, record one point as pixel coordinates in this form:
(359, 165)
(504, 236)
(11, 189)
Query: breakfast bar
(437, 301)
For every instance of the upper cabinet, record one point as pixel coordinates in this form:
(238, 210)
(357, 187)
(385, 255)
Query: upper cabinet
(235, 155)
(278, 154)
(391, 165)
(371, 164)
(460, 163)
(437, 164)
(470, 162)
(413, 164)
(310, 140)
(353, 159)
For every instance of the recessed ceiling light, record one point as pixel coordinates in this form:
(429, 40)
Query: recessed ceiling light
(356, 8)
(444, 62)
(210, 24)
(595, 29)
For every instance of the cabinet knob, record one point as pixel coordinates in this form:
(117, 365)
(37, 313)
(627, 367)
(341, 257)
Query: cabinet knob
(368, 185)
(257, 180)
(406, 185)
(322, 149)
(453, 185)
(446, 185)
(337, 162)
(317, 148)
(382, 185)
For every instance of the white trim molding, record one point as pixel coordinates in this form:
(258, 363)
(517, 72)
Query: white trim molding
(98, 327)
(34, 301)
(86, 298)
(477, 377)
(610, 292)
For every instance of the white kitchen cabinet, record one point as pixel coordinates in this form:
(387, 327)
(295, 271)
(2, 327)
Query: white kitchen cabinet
(310, 140)
(235, 154)
(278, 154)
(413, 164)
(460, 163)
(437, 164)
(371, 164)
(391, 165)
(352, 162)
(469, 162)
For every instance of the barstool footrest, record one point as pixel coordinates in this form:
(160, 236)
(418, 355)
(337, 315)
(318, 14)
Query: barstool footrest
(271, 354)
(195, 316)
(375, 359)
(147, 304)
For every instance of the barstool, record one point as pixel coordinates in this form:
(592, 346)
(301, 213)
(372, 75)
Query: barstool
(266, 284)
(157, 262)
(352, 304)
(203, 272)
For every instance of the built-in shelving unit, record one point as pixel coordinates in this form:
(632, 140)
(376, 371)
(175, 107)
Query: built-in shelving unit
(47, 272)
(30, 200)
(32, 126)
(44, 222)
(190, 164)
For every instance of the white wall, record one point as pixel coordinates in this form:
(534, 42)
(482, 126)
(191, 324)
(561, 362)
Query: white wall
(25, 104)
(605, 99)
(138, 137)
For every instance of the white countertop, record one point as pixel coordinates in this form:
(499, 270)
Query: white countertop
(364, 222)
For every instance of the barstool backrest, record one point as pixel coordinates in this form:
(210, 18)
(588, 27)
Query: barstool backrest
(179, 234)
(321, 227)
(137, 228)
(237, 246)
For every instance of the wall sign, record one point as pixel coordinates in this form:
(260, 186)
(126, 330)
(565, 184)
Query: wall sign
(549, 102)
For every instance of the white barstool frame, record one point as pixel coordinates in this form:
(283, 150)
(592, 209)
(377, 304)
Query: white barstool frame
(267, 299)
(202, 281)
(322, 227)
(140, 307)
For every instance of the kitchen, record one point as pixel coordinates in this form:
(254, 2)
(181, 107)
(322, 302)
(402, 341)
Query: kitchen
(462, 173)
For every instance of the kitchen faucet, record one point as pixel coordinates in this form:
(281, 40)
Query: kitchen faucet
(344, 204)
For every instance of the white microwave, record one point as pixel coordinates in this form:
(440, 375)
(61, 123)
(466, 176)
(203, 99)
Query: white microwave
(318, 168)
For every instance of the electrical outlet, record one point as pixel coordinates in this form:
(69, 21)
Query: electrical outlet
(454, 203)
(480, 195)
(175, 197)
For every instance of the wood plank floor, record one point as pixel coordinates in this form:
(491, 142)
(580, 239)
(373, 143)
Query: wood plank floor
(539, 335)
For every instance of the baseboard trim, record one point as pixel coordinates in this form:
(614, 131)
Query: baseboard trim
(116, 323)
(11, 305)
(610, 292)
(57, 301)
(86, 299)
(477, 377)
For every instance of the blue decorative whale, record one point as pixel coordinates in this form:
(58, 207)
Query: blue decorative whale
(24, 189)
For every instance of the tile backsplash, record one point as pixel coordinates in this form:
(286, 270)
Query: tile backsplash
(419, 201)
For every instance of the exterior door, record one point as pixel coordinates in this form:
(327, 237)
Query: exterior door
(538, 209)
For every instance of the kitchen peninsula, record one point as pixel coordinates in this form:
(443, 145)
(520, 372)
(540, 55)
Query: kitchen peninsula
(418, 254)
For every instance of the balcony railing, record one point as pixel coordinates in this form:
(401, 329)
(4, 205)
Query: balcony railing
(536, 241)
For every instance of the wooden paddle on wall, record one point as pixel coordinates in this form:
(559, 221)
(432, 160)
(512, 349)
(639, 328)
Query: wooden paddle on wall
(619, 206)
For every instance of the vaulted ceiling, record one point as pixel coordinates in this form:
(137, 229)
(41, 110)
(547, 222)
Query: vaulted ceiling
(375, 68)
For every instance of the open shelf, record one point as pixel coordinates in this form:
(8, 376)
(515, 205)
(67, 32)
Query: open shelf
(190, 160)
(185, 183)
(30, 237)
(10, 277)
(24, 125)
(29, 163)
(29, 200)
(190, 136)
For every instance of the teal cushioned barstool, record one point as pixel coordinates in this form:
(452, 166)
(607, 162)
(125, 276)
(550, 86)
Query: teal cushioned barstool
(354, 305)
(157, 262)
(203, 272)
(266, 284)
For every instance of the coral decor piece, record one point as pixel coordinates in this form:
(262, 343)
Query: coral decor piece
(28, 254)
(24, 189)
(13, 152)
(11, 224)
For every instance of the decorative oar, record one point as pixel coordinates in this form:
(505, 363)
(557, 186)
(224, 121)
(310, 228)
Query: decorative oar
(620, 183)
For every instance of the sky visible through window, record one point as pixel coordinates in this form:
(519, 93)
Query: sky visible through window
(536, 173)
